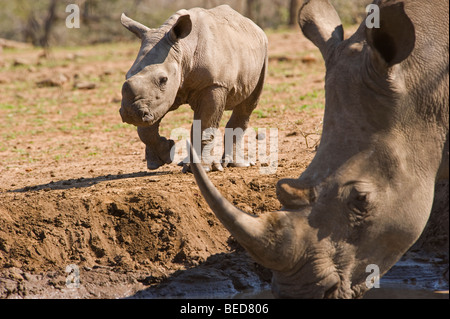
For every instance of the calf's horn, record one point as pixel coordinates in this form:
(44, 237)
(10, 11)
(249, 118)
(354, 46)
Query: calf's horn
(134, 26)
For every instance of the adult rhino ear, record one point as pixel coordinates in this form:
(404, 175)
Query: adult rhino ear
(182, 28)
(395, 38)
(321, 24)
(137, 28)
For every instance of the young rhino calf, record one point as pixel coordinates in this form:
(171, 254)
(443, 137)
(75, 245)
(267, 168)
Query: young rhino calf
(214, 60)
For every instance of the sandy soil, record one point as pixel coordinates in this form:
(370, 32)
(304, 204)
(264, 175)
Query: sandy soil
(74, 189)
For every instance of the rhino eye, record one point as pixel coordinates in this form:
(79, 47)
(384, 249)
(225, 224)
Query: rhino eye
(361, 198)
(357, 200)
(163, 80)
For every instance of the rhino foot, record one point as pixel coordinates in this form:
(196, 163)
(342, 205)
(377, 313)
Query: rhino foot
(241, 165)
(228, 162)
(158, 155)
(215, 167)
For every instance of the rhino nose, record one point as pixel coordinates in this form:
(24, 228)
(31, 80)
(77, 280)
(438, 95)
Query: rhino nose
(122, 114)
(147, 118)
(127, 91)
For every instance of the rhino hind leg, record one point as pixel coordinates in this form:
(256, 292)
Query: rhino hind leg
(238, 124)
(233, 153)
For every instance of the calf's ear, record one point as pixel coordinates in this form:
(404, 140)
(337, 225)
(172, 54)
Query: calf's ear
(321, 24)
(137, 28)
(182, 28)
(395, 38)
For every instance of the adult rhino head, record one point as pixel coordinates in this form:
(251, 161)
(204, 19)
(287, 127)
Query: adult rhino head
(156, 76)
(367, 195)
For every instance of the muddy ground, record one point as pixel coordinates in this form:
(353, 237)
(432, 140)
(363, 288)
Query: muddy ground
(75, 193)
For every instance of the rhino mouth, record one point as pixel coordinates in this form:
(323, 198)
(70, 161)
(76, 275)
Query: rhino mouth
(304, 284)
(311, 291)
(138, 114)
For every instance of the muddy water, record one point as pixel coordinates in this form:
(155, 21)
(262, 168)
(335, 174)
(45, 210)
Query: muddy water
(413, 279)
(408, 279)
(232, 276)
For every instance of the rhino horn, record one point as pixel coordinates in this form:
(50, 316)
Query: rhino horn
(137, 28)
(261, 236)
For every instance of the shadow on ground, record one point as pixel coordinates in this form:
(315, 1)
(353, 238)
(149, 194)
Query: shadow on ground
(86, 182)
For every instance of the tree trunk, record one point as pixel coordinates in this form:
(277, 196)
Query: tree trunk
(294, 6)
(250, 10)
(48, 23)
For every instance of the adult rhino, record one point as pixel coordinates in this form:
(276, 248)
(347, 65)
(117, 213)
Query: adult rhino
(214, 60)
(367, 195)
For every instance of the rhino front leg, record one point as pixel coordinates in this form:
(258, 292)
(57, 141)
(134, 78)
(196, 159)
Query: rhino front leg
(157, 148)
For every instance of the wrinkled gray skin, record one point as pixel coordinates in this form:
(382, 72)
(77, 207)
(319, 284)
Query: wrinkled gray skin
(214, 60)
(368, 193)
